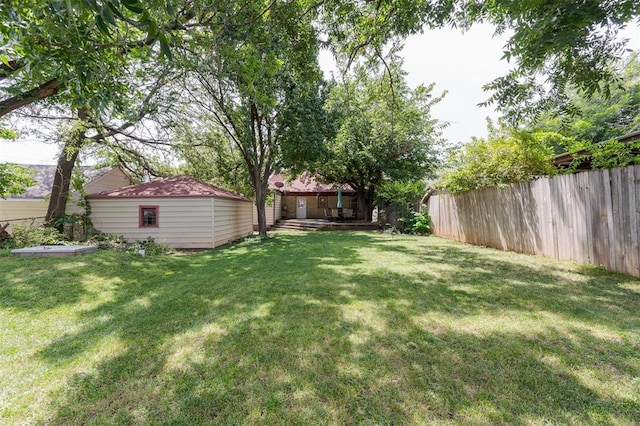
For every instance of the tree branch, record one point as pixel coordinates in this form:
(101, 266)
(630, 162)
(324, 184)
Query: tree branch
(7, 69)
(43, 91)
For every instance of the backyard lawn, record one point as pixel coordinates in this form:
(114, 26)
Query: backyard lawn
(318, 328)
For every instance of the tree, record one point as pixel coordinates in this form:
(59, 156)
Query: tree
(555, 44)
(599, 118)
(564, 42)
(75, 50)
(384, 132)
(507, 156)
(14, 179)
(260, 85)
(88, 129)
(397, 202)
(209, 156)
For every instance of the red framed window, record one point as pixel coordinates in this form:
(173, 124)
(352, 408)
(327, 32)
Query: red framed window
(148, 216)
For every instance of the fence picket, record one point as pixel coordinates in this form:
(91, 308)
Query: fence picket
(593, 217)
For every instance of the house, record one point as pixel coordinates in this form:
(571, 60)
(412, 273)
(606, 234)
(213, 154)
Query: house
(30, 207)
(580, 161)
(306, 198)
(177, 211)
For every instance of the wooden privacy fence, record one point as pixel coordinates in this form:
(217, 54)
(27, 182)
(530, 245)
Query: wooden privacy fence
(591, 217)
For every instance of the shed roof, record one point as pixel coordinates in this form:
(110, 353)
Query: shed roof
(174, 186)
(566, 159)
(43, 176)
(304, 183)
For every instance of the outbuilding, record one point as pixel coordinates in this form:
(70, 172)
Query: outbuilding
(178, 211)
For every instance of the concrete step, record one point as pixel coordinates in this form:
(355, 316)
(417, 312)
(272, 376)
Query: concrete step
(323, 225)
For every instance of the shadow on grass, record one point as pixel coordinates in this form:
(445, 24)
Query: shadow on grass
(305, 328)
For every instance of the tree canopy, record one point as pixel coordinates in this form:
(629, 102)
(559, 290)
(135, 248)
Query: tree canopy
(75, 48)
(384, 131)
(14, 179)
(598, 118)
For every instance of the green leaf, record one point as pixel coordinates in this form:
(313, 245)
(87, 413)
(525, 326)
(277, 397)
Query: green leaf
(5, 60)
(164, 47)
(102, 26)
(92, 4)
(107, 16)
(135, 7)
(115, 8)
(152, 30)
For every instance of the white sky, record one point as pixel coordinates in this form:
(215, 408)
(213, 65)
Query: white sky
(456, 62)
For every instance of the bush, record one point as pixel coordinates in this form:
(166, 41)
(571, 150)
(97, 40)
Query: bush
(106, 241)
(118, 243)
(42, 235)
(417, 223)
(150, 247)
(506, 156)
(397, 200)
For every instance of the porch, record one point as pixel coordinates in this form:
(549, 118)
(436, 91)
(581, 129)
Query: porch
(323, 225)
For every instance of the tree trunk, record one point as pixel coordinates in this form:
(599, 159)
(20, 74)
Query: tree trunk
(368, 198)
(261, 202)
(62, 178)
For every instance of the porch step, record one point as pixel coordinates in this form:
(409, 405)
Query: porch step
(323, 225)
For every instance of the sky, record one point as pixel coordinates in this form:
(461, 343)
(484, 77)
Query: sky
(460, 63)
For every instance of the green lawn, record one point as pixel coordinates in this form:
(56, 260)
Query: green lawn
(318, 328)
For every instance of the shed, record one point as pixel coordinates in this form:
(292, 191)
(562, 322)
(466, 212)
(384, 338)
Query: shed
(30, 207)
(580, 161)
(177, 211)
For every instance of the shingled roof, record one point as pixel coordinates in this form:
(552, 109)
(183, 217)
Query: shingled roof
(304, 183)
(175, 186)
(581, 160)
(44, 174)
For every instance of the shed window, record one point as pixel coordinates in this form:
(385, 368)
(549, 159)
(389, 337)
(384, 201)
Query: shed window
(148, 216)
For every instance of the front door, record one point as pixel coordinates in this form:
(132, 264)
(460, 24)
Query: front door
(301, 210)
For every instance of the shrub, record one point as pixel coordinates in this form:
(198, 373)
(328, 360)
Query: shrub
(41, 235)
(506, 156)
(397, 200)
(106, 241)
(150, 247)
(118, 243)
(417, 223)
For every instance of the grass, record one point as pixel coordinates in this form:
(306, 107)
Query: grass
(318, 328)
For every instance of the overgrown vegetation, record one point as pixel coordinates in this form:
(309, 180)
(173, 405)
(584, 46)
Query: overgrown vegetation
(399, 207)
(507, 156)
(45, 235)
(348, 328)
(35, 236)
